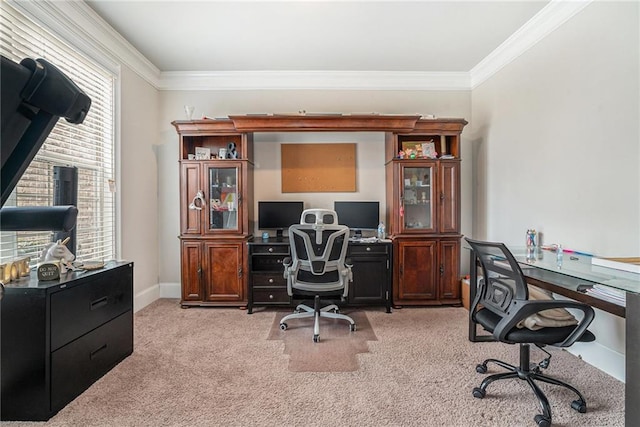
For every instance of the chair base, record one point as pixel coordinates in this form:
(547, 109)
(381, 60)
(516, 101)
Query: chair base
(329, 311)
(526, 373)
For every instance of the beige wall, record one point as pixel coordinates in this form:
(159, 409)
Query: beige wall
(557, 145)
(138, 182)
(267, 178)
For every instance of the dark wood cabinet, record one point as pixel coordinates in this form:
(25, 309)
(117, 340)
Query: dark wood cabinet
(423, 212)
(213, 272)
(59, 337)
(216, 212)
(371, 273)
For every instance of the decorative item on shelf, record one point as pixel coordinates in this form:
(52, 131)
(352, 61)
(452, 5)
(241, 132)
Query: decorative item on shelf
(231, 151)
(429, 150)
(56, 259)
(222, 153)
(191, 156)
(48, 271)
(188, 111)
(203, 153)
(401, 154)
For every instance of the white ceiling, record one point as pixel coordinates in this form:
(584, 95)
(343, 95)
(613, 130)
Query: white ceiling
(299, 35)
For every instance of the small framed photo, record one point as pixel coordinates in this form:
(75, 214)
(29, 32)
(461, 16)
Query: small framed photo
(203, 153)
(429, 150)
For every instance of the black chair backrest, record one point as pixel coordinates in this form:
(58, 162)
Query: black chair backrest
(319, 246)
(502, 280)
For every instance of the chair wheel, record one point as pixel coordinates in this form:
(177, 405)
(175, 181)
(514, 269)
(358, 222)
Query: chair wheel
(283, 326)
(316, 338)
(542, 421)
(478, 392)
(481, 369)
(579, 406)
(352, 328)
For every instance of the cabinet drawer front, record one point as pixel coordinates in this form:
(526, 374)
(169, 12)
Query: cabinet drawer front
(268, 263)
(78, 310)
(270, 296)
(269, 280)
(270, 249)
(79, 364)
(367, 249)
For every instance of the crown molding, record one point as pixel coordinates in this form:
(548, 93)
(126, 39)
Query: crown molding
(82, 28)
(550, 17)
(313, 80)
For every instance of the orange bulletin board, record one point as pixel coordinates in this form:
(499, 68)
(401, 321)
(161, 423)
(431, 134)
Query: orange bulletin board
(318, 168)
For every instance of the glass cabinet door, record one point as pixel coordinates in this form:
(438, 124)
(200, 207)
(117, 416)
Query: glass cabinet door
(223, 198)
(416, 204)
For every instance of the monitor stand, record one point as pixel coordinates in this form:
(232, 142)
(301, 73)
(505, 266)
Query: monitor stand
(279, 235)
(357, 234)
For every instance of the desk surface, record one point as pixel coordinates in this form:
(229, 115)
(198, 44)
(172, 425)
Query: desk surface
(577, 267)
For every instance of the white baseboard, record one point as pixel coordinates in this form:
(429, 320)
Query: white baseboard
(601, 357)
(146, 297)
(169, 290)
(149, 295)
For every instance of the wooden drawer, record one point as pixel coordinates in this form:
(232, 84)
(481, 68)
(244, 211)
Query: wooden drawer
(268, 262)
(275, 295)
(78, 310)
(270, 249)
(367, 249)
(79, 364)
(269, 280)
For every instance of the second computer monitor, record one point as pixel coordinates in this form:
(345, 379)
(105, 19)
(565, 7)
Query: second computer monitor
(358, 216)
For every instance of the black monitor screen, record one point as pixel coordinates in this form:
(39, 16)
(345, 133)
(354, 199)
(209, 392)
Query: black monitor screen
(279, 215)
(358, 215)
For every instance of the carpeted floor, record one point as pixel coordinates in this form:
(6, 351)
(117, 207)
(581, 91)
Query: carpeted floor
(218, 367)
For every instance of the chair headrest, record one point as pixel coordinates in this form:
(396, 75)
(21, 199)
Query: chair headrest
(319, 217)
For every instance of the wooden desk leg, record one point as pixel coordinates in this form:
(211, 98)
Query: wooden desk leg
(632, 361)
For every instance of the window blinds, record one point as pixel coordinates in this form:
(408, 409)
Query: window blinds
(88, 146)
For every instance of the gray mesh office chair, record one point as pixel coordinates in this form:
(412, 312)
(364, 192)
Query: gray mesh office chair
(502, 306)
(319, 267)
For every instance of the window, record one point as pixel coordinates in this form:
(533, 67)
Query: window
(88, 146)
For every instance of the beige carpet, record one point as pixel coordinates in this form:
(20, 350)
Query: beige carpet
(217, 367)
(338, 347)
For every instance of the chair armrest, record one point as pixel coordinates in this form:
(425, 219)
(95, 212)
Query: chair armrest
(521, 309)
(286, 262)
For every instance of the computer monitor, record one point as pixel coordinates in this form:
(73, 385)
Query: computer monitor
(358, 216)
(279, 215)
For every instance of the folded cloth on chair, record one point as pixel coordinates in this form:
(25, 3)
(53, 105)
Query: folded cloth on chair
(551, 318)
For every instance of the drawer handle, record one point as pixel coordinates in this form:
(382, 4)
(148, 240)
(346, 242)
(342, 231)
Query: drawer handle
(270, 296)
(99, 303)
(270, 280)
(270, 249)
(94, 353)
(368, 249)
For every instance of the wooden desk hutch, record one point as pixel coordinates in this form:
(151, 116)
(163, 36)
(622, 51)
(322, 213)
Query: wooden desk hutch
(422, 202)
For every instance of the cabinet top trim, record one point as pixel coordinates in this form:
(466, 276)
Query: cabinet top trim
(320, 122)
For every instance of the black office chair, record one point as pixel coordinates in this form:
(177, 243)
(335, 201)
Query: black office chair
(502, 306)
(319, 267)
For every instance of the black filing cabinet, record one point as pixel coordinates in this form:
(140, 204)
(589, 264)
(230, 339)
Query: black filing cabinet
(59, 337)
